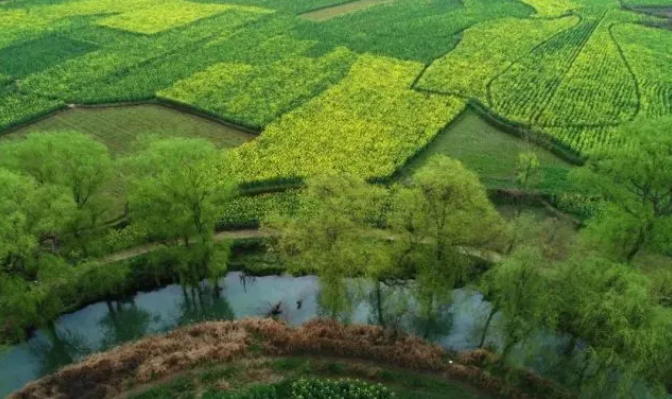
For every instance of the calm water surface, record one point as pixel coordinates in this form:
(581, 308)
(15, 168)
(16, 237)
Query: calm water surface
(104, 325)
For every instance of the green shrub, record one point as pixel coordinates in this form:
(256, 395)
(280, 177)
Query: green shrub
(255, 392)
(342, 389)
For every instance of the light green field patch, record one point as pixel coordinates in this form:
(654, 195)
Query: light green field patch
(255, 95)
(119, 127)
(163, 16)
(486, 50)
(491, 153)
(368, 125)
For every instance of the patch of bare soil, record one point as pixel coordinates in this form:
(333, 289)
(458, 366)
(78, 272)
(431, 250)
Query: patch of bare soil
(324, 14)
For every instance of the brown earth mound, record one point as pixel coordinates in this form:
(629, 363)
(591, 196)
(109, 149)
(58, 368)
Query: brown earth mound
(107, 374)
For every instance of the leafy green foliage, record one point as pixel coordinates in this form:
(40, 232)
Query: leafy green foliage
(177, 191)
(345, 227)
(518, 289)
(175, 187)
(343, 389)
(25, 207)
(443, 211)
(324, 236)
(636, 184)
(609, 307)
(71, 162)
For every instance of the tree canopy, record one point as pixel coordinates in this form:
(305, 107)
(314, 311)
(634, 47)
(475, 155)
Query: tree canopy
(635, 181)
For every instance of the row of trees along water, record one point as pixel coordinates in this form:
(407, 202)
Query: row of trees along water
(604, 287)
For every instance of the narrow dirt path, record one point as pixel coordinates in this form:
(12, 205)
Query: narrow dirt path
(484, 254)
(147, 248)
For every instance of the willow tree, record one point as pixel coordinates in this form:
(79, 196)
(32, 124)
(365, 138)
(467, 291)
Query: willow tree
(177, 190)
(68, 161)
(635, 181)
(441, 219)
(519, 291)
(28, 213)
(335, 234)
(624, 334)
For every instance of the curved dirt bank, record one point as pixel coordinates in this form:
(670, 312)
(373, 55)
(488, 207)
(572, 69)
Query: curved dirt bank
(109, 374)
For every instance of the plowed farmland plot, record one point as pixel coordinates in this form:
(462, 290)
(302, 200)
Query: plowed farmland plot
(333, 86)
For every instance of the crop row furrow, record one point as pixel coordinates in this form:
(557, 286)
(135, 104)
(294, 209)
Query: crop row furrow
(521, 92)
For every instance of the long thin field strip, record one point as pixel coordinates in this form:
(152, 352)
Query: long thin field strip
(170, 15)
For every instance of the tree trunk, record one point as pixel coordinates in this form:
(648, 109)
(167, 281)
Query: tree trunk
(486, 327)
(569, 350)
(582, 372)
(507, 350)
(639, 243)
(379, 303)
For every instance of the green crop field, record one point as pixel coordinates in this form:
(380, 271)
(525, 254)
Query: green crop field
(491, 153)
(342, 86)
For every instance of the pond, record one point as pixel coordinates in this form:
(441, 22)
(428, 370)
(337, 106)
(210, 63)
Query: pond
(294, 299)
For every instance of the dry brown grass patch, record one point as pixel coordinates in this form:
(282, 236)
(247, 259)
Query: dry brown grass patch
(107, 374)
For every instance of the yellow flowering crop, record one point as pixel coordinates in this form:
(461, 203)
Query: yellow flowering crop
(367, 125)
